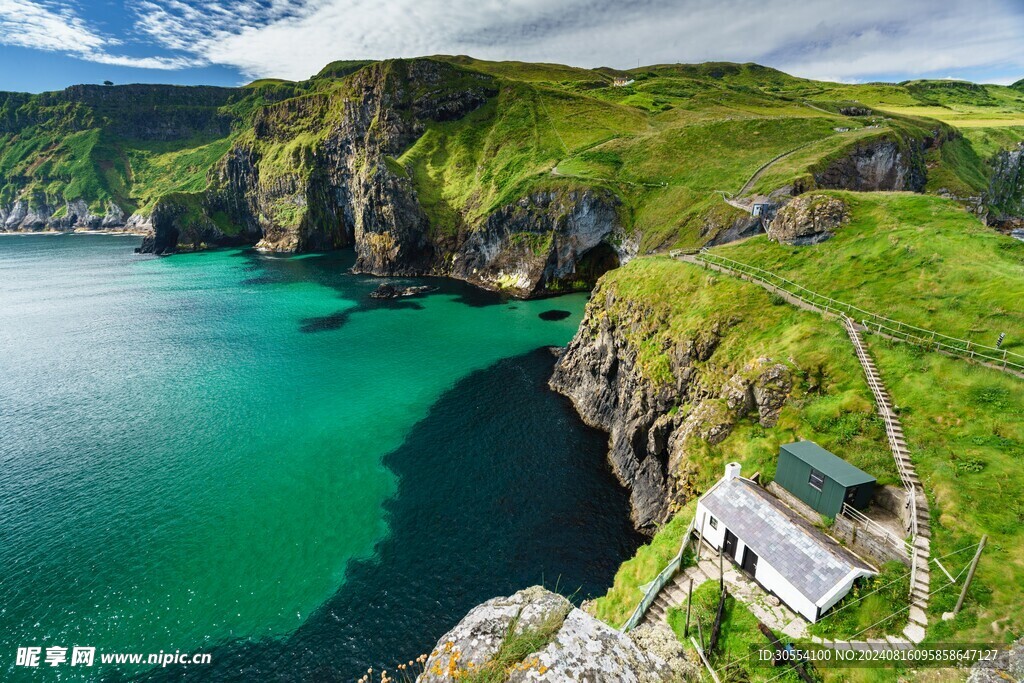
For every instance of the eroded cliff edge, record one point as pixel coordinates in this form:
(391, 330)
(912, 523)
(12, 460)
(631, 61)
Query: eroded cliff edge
(659, 395)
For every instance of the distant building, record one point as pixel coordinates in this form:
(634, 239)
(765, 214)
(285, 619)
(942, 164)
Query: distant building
(765, 210)
(622, 82)
(775, 546)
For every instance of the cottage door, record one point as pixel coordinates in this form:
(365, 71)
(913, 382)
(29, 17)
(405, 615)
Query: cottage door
(750, 562)
(729, 547)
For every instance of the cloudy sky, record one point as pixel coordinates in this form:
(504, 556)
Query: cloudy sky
(48, 44)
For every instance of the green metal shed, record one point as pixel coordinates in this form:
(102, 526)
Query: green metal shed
(821, 479)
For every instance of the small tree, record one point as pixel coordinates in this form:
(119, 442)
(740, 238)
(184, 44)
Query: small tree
(108, 82)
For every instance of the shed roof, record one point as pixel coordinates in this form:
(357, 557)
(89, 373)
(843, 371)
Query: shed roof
(831, 465)
(808, 559)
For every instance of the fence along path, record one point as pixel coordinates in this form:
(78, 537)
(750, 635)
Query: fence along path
(798, 295)
(917, 500)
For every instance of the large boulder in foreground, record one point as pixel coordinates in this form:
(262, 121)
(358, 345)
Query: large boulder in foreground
(808, 219)
(564, 643)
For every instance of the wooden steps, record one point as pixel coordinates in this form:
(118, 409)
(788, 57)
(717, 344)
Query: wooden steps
(921, 572)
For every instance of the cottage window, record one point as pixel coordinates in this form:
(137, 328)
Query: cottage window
(713, 522)
(817, 479)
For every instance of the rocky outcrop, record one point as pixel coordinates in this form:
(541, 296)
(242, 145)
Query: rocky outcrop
(549, 240)
(808, 219)
(572, 645)
(1006, 190)
(654, 426)
(1008, 666)
(336, 184)
(883, 164)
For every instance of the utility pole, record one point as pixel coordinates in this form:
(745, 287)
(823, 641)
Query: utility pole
(970, 575)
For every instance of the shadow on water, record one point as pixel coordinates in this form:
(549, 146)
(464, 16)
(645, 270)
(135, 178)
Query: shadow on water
(333, 269)
(500, 487)
(554, 314)
(335, 321)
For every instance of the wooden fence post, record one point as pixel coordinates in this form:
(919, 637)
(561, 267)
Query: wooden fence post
(970, 575)
(689, 602)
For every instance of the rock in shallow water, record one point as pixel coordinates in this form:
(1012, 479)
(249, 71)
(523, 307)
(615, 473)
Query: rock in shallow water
(386, 291)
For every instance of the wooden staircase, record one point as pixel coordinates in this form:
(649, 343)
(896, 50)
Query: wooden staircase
(920, 576)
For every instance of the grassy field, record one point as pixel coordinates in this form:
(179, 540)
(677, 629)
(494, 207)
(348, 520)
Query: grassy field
(919, 259)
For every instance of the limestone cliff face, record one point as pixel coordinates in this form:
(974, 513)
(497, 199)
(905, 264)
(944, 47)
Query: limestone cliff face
(549, 240)
(652, 426)
(340, 186)
(37, 215)
(578, 647)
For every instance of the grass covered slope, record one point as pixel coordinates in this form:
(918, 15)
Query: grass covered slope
(830, 404)
(122, 144)
(919, 259)
(965, 428)
(924, 260)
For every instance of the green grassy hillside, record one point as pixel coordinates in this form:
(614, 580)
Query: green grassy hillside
(668, 144)
(919, 259)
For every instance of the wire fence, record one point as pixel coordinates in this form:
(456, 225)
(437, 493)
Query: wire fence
(660, 581)
(896, 329)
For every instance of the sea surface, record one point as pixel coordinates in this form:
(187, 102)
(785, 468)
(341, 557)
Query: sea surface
(246, 456)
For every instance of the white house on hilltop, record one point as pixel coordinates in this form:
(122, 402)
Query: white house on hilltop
(775, 546)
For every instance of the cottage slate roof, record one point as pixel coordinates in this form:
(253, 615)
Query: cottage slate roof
(829, 464)
(811, 561)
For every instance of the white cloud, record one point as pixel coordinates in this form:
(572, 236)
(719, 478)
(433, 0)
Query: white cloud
(57, 28)
(826, 38)
(832, 39)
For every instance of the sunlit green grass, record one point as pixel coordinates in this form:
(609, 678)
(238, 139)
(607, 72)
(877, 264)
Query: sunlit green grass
(918, 259)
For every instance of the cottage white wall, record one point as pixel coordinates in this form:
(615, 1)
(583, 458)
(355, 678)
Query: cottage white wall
(830, 601)
(714, 537)
(771, 579)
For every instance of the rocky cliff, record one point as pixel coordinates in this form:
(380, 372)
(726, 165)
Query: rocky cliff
(320, 172)
(808, 219)
(536, 635)
(22, 216)
(653, 425)
(891, 162)
(1006, 190)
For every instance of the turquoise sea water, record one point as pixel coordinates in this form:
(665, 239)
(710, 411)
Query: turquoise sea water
(245, 455)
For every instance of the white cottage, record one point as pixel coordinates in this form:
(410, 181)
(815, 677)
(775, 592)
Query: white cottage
(778, 548)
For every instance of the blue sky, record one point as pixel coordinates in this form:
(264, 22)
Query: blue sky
(49, 44)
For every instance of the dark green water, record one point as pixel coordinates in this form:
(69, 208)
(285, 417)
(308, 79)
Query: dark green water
(247, 456)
